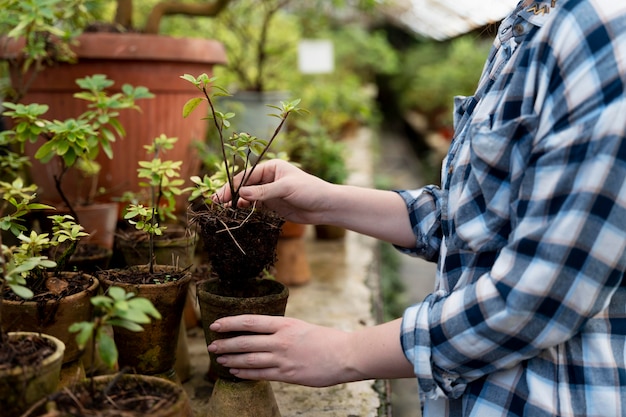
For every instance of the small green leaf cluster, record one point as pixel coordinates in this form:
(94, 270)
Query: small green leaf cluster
(47, 27)
(26, 260)
(79, 138)
(161, 187)
(115, 308)
(241, 152)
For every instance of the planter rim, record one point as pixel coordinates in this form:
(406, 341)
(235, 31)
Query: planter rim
(57, 355)
(93, 287)
(204, 294)
(108, 282)
(142, 46)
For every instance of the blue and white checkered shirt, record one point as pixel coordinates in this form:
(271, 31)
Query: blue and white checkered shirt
(528, 317)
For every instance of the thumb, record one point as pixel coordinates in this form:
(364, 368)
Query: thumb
(260, 192)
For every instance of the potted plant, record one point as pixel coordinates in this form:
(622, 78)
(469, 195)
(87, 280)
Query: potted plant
(130, 57)
(72, 146)
(153, 352)
(30, 362)
(240, 243)
(120, 392)
(30, 366)
(172, 243)
(31, 298)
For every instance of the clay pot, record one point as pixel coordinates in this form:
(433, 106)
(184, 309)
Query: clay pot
(292, 230)
(233, 396)
(153, 61)
(152, 351)
(329, 232)
(54, 317)
(148, 386)
(23, 386)
(176, 247)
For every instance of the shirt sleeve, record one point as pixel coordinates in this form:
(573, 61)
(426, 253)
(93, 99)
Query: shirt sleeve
(424, 209)
(564, 257)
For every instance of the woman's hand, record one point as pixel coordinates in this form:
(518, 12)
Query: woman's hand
(304, 198)
(283, 188)
(290, 350)
(285, 349)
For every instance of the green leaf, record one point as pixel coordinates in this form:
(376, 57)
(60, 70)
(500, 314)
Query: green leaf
(107, 349)
(84, 330)
(191, 105)
(21, 291)
(133, 327)
(145, 305)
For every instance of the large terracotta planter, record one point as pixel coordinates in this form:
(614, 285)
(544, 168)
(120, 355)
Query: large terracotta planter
(53, 317)
(23, 386)
(152, 351)
(153, 61)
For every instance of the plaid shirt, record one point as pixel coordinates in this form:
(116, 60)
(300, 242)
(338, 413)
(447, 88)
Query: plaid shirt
(528, 317)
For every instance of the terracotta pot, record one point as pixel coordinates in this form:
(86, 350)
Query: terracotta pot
(292, 230)
(153, 61)
(152, 351)
(54, 317)
(271, 299)
(176, 247)
(151, 388)
(100, 221)
(292, 264)
(233, 396)
(23, 386)
(329, 232)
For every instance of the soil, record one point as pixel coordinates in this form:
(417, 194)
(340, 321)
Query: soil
(55, 288)
(240, 244)
(24, 351)
(142, 275)
(124, 398)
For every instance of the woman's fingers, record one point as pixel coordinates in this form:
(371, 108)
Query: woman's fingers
(248, 322)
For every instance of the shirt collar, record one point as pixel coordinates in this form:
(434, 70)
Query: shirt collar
(538, 12)
(526, 14)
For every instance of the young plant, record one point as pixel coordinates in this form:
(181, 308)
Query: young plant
(241, 152)
(162, 182)
(76, 142)
(24, 266)
(47, 30)
(115, 308)
(240, 241)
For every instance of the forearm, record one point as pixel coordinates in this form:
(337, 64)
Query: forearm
(376, 353)
(377, 213)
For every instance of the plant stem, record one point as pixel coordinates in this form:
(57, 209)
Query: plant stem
(219, 128)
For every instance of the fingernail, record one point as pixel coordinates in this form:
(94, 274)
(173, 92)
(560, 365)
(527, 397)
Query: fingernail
(220, 359)
(234, 371)
(215, 326)
(212, 348)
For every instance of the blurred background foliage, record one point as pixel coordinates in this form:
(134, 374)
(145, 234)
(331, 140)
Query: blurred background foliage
(376, 79)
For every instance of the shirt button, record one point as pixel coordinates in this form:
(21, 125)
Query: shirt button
(518, 29)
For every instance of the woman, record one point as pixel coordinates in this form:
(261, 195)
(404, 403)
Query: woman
(528, 228)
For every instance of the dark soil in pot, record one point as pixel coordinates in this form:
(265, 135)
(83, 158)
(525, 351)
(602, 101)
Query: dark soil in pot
(24, 351)
(120, 395)
(63, 300)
